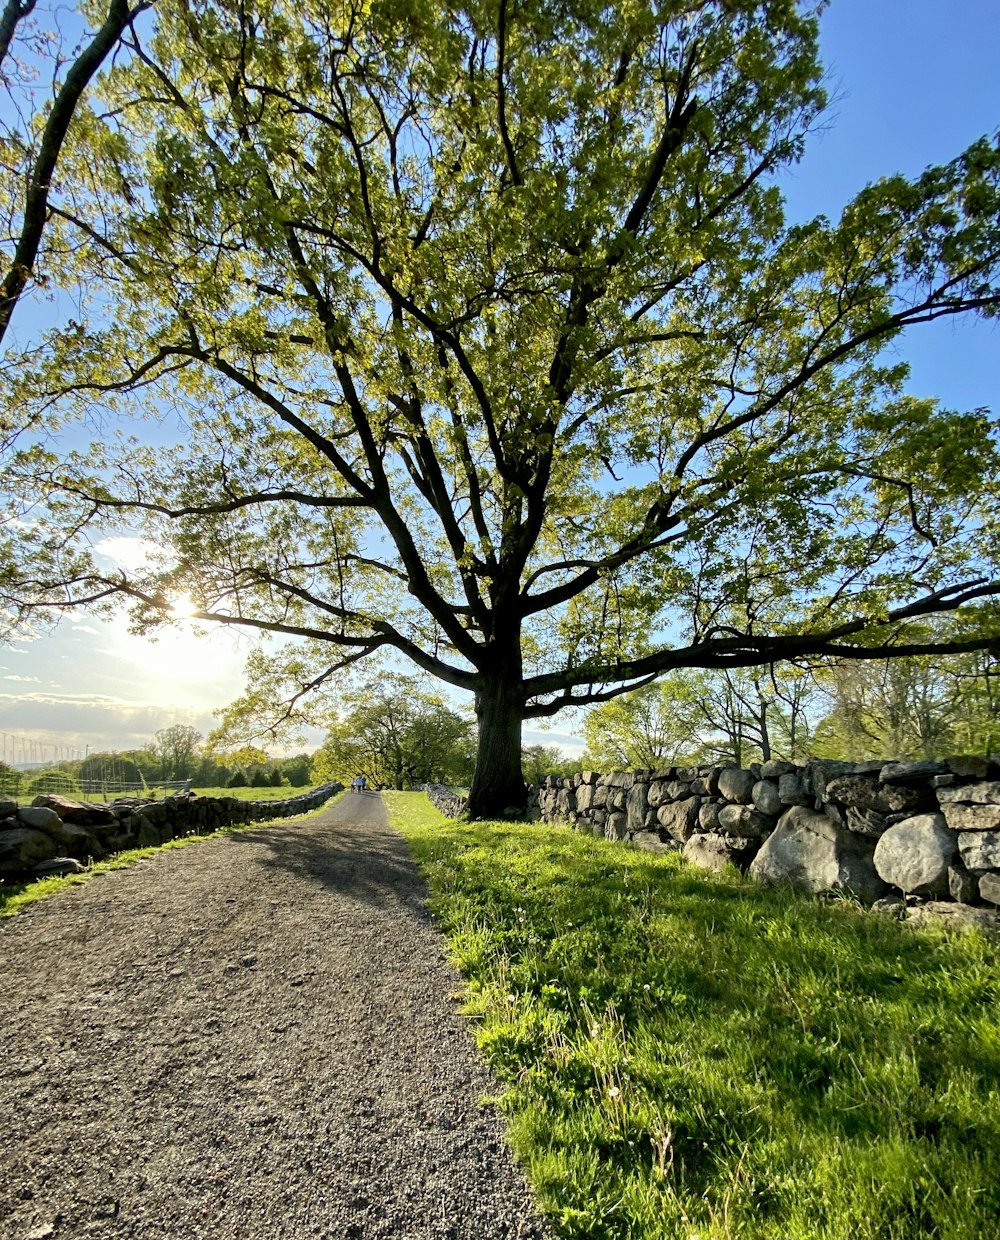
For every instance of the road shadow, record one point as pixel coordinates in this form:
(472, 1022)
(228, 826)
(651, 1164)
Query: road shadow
(350, 849)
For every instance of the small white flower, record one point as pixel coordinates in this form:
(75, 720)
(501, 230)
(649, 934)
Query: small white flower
(614, 1091)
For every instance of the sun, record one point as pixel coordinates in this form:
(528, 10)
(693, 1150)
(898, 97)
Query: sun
(182, 607)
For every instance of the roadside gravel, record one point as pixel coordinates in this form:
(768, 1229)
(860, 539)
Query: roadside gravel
(249, 1039)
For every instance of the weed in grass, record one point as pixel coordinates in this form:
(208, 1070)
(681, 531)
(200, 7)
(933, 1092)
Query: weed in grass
(693, 1055)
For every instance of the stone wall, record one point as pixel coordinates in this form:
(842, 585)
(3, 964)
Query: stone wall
(449, 803)
(919, 837)
(57, 835)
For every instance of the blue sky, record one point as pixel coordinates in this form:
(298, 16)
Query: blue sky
(915, 82)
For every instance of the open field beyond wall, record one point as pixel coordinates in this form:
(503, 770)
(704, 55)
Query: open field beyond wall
(694, 1056)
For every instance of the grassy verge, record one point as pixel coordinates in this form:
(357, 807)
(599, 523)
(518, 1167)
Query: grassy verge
(692, 1056)
(16, 896)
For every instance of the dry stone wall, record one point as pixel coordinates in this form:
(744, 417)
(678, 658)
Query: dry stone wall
(917, 837)
(56, 835)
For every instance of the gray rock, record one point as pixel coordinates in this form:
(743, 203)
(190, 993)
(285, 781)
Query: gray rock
(792, 790)
(911, 772)
(654, 796)
(711, 851)
(866, 793)
(708, 815)
(57, 867)
(736, 785)
(774, 768)
(962, 886)
(616, 827)
(942, 781)
(894, 906)
(84, 815)
(600, 797)
(679, 818)
(989, 888)
(148, 835)
(866, 821)
(565, 802)
(24, 847)
(653, 841)
(813, 854)
(584, 797)
(764, 796)
(960, 916)
(972, 794)
(743, 820)
(616, 798)
(676, 790)
(971, 817)
(7, 808)
(915, 855)
(636, 806)
(834, 811)
(38, 818)
(979, 850)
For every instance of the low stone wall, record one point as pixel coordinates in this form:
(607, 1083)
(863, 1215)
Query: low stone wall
(919, 837)
(449, 803)
(56, 835)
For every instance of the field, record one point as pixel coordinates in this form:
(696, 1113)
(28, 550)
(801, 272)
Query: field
(692, 1056)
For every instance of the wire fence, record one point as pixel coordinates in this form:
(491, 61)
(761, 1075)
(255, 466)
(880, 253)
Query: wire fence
(24, 785)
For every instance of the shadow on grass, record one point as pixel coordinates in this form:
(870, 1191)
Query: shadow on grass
(648, 1014)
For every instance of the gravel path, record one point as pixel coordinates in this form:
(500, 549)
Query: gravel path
(251, 1038)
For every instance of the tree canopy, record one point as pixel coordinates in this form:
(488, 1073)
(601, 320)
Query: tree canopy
(493, 350)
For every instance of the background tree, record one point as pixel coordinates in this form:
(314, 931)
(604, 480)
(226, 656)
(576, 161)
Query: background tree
(177, 748)
(537, 761)
(496, 351)
(397, 736)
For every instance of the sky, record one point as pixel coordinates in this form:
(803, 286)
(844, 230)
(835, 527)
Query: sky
(914, 82)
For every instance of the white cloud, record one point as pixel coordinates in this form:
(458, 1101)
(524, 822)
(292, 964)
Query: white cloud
(27, 679)
(85, 628)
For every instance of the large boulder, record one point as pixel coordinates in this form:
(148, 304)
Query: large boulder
(912, 772)
(711, 851)
(812, 853)
(680, 818)
(736, 785)
(764, 795)
(616, 826)
(915, 855)
(84, 815)
(39, 818)
(743, 820)
(636, 806)
(864, 792)
(24, 847)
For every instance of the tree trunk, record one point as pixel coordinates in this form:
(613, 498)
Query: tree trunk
(498, 787)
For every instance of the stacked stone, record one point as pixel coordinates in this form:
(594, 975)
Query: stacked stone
(449, 803)
(915, 832)
(55, 835)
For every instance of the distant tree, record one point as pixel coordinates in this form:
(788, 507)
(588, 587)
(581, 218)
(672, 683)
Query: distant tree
(296, 769)
(177, 749)
(109, 768)
(397, 735)
(237, 780)
(260, 777)
(657, 725)
(537, 761)
(10, 780)
(51, 780)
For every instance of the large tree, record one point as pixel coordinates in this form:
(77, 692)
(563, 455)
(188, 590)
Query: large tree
(494, 350)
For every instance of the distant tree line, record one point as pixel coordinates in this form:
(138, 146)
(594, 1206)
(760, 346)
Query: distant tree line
(909, 708)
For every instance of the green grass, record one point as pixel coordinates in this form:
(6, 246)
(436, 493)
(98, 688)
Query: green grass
(17, 896)
(693, 1056)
